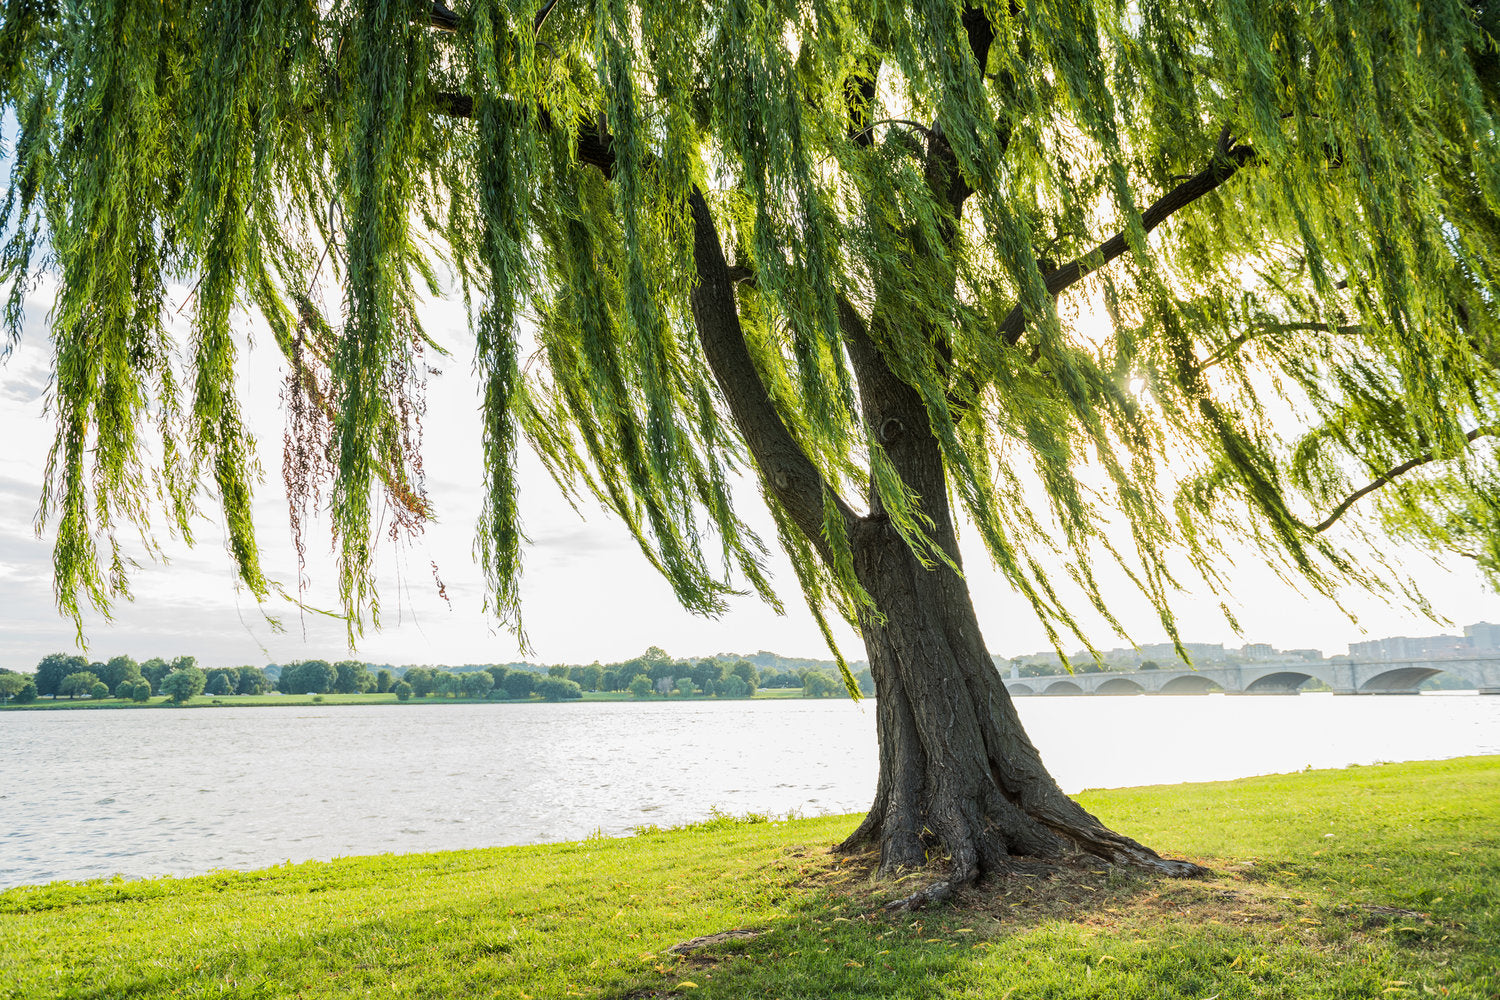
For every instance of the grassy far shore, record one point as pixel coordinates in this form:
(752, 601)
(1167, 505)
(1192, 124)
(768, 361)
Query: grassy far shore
(372, 698)
(1371, 882)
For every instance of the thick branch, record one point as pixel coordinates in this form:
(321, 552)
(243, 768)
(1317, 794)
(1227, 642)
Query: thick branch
(442, 17)
(541, 15)
(865, 135)
(790, 474)
(1222, 168)
(942, 171)
(1270, 329)
(895, 413)
(1392, 474)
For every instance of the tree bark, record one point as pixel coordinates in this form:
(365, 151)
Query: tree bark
(958, 774)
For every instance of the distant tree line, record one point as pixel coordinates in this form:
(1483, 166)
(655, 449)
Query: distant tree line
(60, 675)
(653, 674)
(17, 688)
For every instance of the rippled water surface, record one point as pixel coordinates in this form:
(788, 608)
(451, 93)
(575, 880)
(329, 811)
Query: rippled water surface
(93, 793)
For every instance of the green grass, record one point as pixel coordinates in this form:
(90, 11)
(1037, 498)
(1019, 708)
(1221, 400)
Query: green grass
(1402, 900)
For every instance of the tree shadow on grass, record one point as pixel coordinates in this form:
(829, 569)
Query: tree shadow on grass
(1087, 931)
(838, 940)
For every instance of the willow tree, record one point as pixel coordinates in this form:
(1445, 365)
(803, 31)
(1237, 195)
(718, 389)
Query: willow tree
(1112, 281)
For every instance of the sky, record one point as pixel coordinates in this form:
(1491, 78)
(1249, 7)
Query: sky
(588, 594)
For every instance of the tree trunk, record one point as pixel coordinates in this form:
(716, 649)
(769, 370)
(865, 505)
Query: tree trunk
(957, 771)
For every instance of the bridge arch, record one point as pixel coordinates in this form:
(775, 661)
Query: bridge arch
(1016, 687)
(1190, 684)
(1400, 680)
(1063, 687)
(1280, 682)
(1119, 685)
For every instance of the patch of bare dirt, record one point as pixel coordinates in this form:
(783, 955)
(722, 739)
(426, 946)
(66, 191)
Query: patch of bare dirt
(1077, 891)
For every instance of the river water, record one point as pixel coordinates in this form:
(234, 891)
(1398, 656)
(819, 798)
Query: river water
(94, 793)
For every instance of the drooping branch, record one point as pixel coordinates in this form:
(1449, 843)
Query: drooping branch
(453, 105)
(411, 503)
(593, 147)
(791, 474)
(1226, 164)
(1391, 475)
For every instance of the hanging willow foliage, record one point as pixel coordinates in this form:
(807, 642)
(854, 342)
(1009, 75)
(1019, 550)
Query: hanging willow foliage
(1162, 274)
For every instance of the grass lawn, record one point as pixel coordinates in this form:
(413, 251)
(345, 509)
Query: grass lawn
(1372, 882)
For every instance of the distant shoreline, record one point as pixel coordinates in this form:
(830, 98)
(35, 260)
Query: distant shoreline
(343, 700)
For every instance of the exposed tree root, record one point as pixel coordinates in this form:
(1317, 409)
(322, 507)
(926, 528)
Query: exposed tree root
(937, 892)
(709, 940)
(949, 886)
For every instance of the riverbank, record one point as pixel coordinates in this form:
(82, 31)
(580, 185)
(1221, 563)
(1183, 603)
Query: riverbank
(1363, 882)
(388, 698)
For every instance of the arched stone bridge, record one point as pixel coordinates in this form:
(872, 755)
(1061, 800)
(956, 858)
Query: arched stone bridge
(1343, 676)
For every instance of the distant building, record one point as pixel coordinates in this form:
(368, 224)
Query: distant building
(1258, 651)
(1201, 652)
(1402, 647)
(1483, 636)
